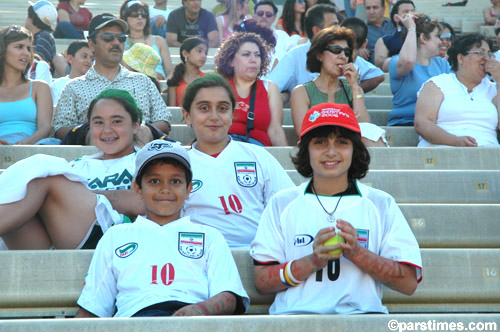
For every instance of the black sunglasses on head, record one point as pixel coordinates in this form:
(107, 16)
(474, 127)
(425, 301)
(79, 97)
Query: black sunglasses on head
(108, 37)
(336, 49)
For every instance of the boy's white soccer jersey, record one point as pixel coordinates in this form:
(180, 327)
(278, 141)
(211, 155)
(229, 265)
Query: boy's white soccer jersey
(231, 191)
(287, 229)
(111, 174)
(141, 264)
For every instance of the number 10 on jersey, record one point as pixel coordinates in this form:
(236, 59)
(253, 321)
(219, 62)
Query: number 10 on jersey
(234, 204)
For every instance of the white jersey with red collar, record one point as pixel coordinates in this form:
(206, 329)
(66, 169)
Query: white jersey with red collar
(287, 229)
(231, 191)
(141, 264)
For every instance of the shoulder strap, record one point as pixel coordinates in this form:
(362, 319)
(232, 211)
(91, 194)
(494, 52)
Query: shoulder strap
(251, 113)
(31, 87)
(345, 92)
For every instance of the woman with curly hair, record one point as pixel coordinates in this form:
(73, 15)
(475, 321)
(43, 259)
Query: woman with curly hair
(258, 115)
(292, 18)
(136, 14)
(193, 54)
(234, 14)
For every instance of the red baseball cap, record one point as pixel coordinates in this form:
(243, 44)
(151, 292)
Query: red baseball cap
(329, 114)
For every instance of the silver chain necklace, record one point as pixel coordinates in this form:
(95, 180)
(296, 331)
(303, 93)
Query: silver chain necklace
(331, 217)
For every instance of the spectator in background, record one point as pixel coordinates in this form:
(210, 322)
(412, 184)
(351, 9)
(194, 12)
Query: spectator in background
(159, 17)
(242, 60)
(136, 14)
(72, 19)
(377, 26)
(390, 44)
(358, 6)
(191, 20)
(370, 76)
(80, 58)
(25, 105)
(291, 70)
(193, 53)
(106, 40)
(417, 61)
(447, 36)
(235, 13)
(221, 8)
(41, 16)
(491, 14)
(265, 15)
(497, 34)
(233, 181)
(142, 59)
(461, 108)
(39, 70)
(292, 19)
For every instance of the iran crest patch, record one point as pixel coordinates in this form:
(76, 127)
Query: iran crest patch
(191, 245)
(246, 173)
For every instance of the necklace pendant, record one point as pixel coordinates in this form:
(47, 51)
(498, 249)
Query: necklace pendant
(330, 218)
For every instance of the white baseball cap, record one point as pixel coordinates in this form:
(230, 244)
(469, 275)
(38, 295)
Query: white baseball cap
(161, 149)
(45, 11)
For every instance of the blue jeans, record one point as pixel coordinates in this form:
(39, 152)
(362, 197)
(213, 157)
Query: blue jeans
(66, 30)
(158, 31)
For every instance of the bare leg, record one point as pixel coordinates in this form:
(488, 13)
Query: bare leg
(32, 235)
(65, 209)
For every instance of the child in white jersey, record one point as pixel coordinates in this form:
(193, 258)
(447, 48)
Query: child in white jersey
(291, 252)
(233, 181)
(162, 265)
(47, 202)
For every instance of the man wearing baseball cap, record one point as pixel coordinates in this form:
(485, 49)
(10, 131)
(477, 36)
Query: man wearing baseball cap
(329, 245)
(106, 39)
(162, 249)
(41, 17)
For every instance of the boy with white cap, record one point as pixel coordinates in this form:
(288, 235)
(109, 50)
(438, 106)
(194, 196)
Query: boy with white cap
(41, 16)
(162, 265)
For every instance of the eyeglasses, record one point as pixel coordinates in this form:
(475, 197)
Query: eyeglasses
(335, 49)
(482, 54)
(301, 1)
(262, 13)
(108, 37)
(136, 14)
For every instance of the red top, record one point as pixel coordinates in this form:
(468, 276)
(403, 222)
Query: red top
(79, 19)
(261, 111)
(179, 91)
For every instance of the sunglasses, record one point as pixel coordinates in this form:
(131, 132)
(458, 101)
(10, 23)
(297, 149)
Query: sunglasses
(262, 13)
(14, 28)
(136, 14)
(108, 37)
(301, 1)
(335, 49)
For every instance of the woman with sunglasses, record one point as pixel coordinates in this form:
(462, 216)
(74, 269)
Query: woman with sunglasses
(330, 55)
(25, 104)
(417, 61)
(293, 17)
(72, 19)
(234, 14)
(447, 36)
(258, 115)
(461, 108)
(136, 14)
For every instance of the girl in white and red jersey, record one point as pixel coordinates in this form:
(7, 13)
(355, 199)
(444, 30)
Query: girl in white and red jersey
(292, 250)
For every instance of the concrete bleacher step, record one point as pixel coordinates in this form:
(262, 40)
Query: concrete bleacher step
(293, 323)
(399, 158)
(429, 186)
(48, 283)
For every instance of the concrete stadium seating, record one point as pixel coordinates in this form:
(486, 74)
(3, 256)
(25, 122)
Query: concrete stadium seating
(48, 283)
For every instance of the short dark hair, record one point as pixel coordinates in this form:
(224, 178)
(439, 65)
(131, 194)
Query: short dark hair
(464, 44)
(359, 28)
(231, 46)
(395, 8)
(207, 81)
(125, 11)
(315, 17)
(360, 155)
(37, 21)
(266, 2)
(322, 40)
(164, 161)
(75, 46)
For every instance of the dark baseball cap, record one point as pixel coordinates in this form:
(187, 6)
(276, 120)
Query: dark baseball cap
(102, 20)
